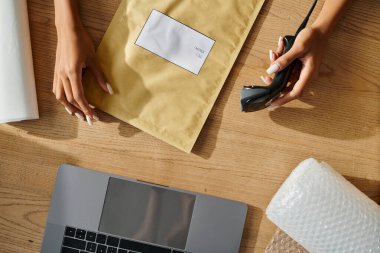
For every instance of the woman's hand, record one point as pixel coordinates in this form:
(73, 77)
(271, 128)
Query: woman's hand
(75, 51)
(308, 50)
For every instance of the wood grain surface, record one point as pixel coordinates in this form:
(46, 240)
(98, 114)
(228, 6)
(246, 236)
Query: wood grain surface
(240, 156)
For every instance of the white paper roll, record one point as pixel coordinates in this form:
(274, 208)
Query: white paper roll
(324, 212)
(18, 99)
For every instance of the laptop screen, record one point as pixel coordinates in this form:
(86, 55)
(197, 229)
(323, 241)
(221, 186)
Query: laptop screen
(147, 213)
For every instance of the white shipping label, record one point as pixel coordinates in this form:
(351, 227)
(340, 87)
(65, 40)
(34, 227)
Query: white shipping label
(175, 42)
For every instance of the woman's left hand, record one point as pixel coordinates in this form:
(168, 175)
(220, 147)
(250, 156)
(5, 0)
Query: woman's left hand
(308, 50)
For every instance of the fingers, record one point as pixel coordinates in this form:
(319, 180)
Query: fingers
(293, 78)
(280, 47)
(75, 79)
(280, 61)
(266, 79)
(55, 81)
(70, 98)
(69, 92)
(61, 97)
(296, 72)
(273, 56)
(305, 77)
(67, 87)
(284, 60)
(99, 76)
(306, 50)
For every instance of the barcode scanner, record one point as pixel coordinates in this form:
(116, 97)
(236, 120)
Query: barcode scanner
(255, 98)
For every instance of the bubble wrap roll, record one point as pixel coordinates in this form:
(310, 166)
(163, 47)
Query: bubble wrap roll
(283, 243)
(324, 212)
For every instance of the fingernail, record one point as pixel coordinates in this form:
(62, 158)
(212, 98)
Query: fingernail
(272, 108)
(266, 80)
(68, 111)
(280, 41)
(271, 55)
(91, 106)
(109, 88)
(79, 116)
(96, 118)
(273, 69)
(89, 120)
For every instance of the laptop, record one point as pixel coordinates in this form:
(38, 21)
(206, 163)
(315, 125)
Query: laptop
(103, 213)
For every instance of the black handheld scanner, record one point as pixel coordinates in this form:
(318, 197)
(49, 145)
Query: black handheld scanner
(254, 98)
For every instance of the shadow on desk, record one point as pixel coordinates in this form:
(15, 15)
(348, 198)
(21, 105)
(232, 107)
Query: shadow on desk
(371, 188)
(54, 123)
(344, 105)
(335, 114)
(27, 175)
(28, 164)
(206, 141)
(254, 218)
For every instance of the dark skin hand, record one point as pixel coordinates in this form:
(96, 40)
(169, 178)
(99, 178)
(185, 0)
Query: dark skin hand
(308, 50)
(75, 52)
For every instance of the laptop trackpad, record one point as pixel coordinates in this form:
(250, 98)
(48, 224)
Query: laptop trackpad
(147, 213)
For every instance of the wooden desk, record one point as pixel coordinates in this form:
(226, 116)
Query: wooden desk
(240, 156)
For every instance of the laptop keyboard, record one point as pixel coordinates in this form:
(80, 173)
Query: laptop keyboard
(78, 240)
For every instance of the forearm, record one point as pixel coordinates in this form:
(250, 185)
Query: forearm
(67, 14)
(330, 14)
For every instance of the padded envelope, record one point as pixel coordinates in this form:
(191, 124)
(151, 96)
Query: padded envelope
(154, 94)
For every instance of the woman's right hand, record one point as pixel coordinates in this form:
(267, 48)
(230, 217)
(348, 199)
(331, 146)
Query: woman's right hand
(75, 51)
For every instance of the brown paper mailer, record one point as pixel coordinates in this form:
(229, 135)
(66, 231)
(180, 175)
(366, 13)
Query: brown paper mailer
(154, 94)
